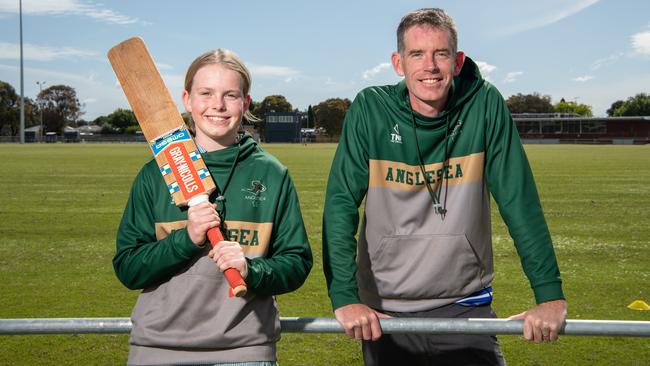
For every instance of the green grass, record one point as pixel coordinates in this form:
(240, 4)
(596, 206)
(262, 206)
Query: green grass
(61, 204)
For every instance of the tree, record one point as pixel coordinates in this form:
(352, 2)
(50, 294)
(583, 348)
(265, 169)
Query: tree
(53, 121)
(100, 121)
(122, 119)
(530, 103)
(10, 110)
(32, 112)
(573, 107)
(61, 107)
(638, 105)
(616, 105)
(272, 103)
(330, 114)
(310, 117)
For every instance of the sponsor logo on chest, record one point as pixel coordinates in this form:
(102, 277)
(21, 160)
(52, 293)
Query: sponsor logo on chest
(395, 136)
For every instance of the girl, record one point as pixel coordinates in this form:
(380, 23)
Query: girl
(184, 314)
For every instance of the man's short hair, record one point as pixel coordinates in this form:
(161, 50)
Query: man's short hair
(432, 17)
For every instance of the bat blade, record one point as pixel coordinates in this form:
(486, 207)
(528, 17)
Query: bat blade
(163, 127)
(175, 152)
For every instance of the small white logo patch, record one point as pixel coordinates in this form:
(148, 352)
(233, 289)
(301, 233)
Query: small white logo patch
(395, 137)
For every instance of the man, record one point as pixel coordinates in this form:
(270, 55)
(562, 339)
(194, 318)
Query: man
(425, 154)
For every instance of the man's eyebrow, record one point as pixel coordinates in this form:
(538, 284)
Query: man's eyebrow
(417, 50)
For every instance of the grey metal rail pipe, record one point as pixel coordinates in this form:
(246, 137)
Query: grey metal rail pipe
(609, 328)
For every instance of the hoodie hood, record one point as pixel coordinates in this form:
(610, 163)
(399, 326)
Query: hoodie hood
(224, 158)
(223, 163)
(463, 87)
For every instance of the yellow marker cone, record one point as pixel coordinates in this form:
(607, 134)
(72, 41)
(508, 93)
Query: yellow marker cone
(639, 305)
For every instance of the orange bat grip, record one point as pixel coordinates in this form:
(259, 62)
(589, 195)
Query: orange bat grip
(237, 284)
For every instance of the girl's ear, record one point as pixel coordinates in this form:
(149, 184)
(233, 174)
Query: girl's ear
(186, 101)
(247, 102)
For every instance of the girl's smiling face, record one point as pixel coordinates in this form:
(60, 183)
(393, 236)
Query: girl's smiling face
(217, 104)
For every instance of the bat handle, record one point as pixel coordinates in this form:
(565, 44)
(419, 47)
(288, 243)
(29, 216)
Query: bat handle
(236, 282)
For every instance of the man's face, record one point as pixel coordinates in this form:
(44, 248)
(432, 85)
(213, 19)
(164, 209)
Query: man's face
(428, 66)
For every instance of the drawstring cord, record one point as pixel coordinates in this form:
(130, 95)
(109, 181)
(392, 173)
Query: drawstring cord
(435, 196)
(220, 200)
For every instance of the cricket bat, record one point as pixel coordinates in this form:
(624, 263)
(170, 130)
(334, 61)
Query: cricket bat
(181, 166)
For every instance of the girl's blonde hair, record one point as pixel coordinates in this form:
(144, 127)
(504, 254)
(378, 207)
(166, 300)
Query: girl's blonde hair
(229, 60)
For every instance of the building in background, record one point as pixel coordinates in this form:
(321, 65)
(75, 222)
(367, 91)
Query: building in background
(282, 127)
(557, 128)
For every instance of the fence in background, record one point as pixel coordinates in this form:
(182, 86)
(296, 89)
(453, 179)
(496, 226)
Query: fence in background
(610, 328)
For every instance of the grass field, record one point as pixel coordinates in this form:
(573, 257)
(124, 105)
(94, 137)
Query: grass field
(61, 204)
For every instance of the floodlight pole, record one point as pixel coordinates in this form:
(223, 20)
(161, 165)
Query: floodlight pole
(40, 104)
(22, 83)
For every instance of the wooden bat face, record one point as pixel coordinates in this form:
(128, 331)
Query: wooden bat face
(176, 153)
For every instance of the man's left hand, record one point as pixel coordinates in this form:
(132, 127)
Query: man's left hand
(543, 322)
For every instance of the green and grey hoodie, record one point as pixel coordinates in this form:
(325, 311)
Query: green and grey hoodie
(184, 314)
(409, 257)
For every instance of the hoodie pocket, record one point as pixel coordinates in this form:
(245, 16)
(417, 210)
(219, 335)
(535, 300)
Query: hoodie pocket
(425, 267)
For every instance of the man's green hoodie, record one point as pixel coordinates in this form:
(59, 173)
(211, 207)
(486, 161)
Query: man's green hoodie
(409, 257)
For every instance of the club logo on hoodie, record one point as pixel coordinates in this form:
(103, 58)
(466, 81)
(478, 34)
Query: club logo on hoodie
(254, 192)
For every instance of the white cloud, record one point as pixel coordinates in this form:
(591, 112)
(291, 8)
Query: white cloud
(32, 52)
(54, 77)
(67, 7)
(371, 73)
(606, 60)
(641, 43)
(268, 70)
(582, 79)
(486, 69)
(161, 66)
(511, 77)
(548, 12)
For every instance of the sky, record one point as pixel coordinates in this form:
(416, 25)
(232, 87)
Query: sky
(588, 51)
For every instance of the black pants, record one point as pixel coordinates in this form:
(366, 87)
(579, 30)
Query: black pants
(436, 349)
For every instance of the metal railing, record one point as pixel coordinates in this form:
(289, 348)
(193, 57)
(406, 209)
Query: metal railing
(609, 328)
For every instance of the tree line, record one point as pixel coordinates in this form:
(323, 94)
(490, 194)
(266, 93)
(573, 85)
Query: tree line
(638, 105)
(58, 106)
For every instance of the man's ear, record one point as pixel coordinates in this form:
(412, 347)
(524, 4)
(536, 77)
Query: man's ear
(396, 60)
(459, 62)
